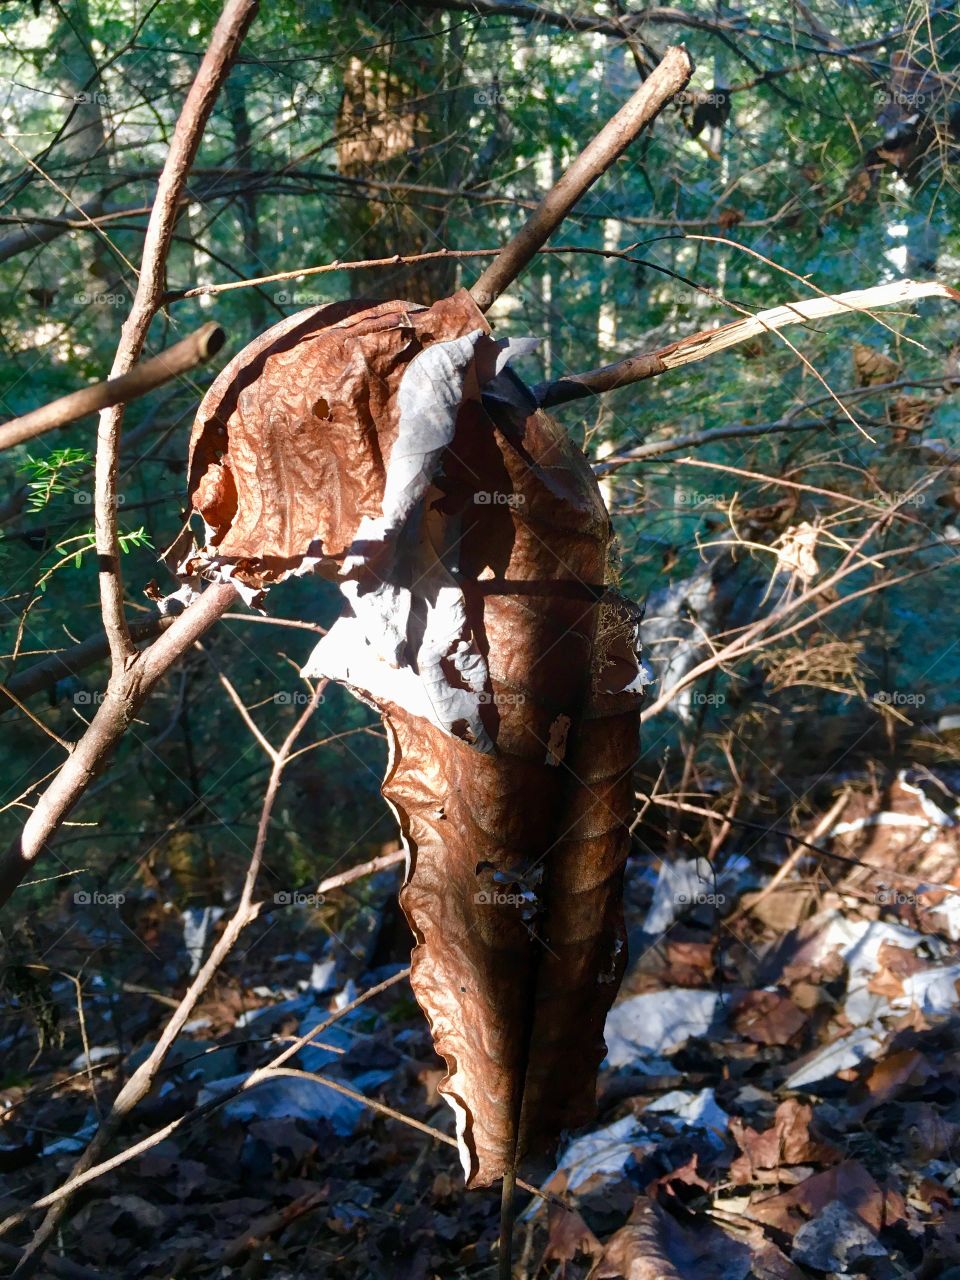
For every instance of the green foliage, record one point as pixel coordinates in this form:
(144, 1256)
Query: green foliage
(72, 550)
(51, 475)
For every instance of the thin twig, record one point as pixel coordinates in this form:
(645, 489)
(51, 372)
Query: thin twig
(121, 702)
(241, 707)
(755, 635)
(44, 675)
(77, 1180)
(824, 825)
(134, 674)
(61, 742)
(142, 1080)
(380, 863)
(903, 876)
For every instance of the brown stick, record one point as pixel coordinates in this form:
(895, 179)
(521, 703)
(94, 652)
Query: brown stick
(380, 863)
(259, 1232)
(60, 1268)
(401, 260)
(648, 364)
(754, 636)
(78, 1179)
(888, 873)
(124, 697)
(613, 139)
(142, 1080)
(223, 48)
(708, 342)
(508, 1191)
(824, 825)
(134, 674)
(196, 348)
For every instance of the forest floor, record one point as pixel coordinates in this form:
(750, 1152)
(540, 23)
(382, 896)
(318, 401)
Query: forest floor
(781, 1096)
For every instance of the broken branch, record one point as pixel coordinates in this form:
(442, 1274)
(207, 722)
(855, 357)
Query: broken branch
(610, 143)
(698, 346)
(114, 715)
(183, 356)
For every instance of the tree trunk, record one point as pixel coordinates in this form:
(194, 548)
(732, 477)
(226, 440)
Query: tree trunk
(392, 116)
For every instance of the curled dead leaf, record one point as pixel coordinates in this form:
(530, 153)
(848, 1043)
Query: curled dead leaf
(871, 367)
(386, 447)
(796, 552)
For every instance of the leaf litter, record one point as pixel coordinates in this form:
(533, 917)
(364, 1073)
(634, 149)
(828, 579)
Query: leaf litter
(820, 1140)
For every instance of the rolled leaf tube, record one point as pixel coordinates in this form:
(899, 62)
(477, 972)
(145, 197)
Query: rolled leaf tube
(390, 449)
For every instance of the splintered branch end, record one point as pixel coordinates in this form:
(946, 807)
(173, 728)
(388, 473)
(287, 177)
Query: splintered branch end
(709, 342)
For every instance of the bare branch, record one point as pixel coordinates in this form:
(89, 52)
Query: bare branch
(825, 823)
(245, 715)
(142, 1080)
(613, 139)
(791, 421)
(43, 675)
(889, 874)
(761, 632)
(78, 1179)
(380, 863)
(432, 255)
(134, 674)
(123, 699)
(196, 348)
(223, 48)
(59, 1267)
(42, 231)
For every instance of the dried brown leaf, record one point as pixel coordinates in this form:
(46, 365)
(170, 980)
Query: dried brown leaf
(885, 1080)
(871, 366)
(654, 1246)
(913, 412)
(849, 1182)
(790, 1140)
(470, 543)
(568, 1235)
(768, 1017)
